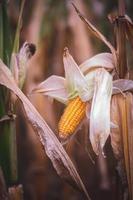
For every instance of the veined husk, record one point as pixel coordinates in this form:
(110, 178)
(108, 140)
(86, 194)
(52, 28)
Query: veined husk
(122, 138)
(100, 110)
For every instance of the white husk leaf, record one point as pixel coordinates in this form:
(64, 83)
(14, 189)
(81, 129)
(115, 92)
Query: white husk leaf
(104, 60)
(18, 64)
(53, 147)
(100, 110)
(74, 76)
(77, 83)
(55, 87)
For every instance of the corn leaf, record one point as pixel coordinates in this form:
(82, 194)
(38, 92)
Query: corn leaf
(97, 33)
(17, 34)
(5, 35)
(49, 141)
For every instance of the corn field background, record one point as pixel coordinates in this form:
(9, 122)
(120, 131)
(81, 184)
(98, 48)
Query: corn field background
(27, 144)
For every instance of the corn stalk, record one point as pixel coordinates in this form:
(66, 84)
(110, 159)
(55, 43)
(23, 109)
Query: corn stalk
(8, 143)
(7, 138)
(120, 33)
(123, 106)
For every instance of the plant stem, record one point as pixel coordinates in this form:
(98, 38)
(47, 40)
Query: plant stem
(121, 40)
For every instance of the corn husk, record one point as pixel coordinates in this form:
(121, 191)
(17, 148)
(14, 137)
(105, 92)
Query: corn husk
(104, 60)
(19, 63)
(122, 138)
(100, 110)
(54, 87)
(78, 81)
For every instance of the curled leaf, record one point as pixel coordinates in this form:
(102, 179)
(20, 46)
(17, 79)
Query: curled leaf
(97, 33)
(100, 60)
(49, 141)
(100, 110)
(55, 87)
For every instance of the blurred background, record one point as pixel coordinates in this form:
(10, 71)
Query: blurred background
(52, 25)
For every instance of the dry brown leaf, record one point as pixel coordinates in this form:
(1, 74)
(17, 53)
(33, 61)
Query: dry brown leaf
(129, 29)
(97, 33)
(122, 85)
(129, 108)
(120, 37)
(122, 138)
(118, 117)
(52, 146)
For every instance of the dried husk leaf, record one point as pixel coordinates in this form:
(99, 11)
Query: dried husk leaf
(55, 87)
(115, 133)
(14, 67)
(16, 192)
(122, 85)
(122, 138)
(76, 83)
(100, 110)
(97, 33)
(104, 60)
(130, 138)
(19, 62)
(79, 80)
(53, 147)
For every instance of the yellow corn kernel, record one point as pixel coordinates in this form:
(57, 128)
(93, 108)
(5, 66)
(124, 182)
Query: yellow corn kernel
(71, 118)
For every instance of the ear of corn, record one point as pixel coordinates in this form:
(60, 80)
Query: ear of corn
(73, 115)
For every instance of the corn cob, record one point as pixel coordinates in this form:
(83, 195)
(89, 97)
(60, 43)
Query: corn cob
(71, 118)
